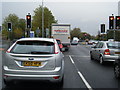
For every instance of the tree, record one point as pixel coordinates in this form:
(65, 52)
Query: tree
(37, 19)
(75, 33)
(18, 26)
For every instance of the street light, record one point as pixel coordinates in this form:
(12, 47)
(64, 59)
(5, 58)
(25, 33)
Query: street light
(42, 20)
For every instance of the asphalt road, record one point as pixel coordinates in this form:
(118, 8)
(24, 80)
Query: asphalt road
(80, 73)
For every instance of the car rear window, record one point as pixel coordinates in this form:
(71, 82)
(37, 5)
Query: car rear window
(114, 45)
(58, 41)
(33, 47)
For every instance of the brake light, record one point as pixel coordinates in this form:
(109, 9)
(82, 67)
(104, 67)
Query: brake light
(107, 52)
(7, 51)
(56, 77)
(56, 49)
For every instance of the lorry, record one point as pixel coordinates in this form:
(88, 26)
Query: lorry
(62, 32)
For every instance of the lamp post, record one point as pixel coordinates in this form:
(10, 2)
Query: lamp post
(42, 20)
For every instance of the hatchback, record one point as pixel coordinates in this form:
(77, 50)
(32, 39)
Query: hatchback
(59, 43)
(105, 51)
(34, 59)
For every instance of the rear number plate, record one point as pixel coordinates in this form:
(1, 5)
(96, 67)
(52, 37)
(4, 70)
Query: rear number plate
(31, 63)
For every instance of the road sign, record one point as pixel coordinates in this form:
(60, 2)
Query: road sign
(31, 33)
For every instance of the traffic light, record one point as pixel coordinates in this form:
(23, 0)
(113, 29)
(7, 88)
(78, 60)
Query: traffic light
(28, 18)
(9, 26)
(111, 22)
(102, 28)
(117, 21)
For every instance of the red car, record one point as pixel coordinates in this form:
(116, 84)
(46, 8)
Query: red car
(59, 43)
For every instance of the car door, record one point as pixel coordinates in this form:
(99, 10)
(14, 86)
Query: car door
(98, 50)
(94, 50)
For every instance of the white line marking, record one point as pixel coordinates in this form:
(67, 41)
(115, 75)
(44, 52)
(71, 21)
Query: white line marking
(71, 59)
(77, 56)
(80, 74)
(84, 80)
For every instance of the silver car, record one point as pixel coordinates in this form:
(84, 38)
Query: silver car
(105, 51)
(34, 59)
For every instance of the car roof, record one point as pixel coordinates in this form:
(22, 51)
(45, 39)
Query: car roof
(37, 39)
(58, 39)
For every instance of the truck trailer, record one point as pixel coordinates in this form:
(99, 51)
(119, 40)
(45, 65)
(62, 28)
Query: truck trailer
(62, 32)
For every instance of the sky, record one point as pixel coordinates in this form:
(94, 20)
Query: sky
(84, 14)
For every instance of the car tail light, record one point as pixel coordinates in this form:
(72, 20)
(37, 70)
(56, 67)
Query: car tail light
(68, 45)
(7, 51)
(56, 77)
(56, 49)
(107, 52)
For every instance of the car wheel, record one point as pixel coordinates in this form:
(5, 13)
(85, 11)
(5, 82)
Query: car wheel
(117, 71)
(91, 57)
(101, 60)
(8, 83)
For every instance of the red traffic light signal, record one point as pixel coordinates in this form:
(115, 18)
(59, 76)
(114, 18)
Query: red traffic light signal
(111, 18)
(117, 21)
(111, 22)
(28, 18)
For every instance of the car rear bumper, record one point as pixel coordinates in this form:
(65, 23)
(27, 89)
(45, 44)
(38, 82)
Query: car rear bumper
(110, 57)
(48, 75)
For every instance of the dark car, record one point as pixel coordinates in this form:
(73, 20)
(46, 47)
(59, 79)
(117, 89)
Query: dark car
(117, 68)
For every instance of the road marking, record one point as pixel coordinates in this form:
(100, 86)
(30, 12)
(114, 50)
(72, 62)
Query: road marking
(84, 80)
(71, 59)
(80, 74)
(77, 56)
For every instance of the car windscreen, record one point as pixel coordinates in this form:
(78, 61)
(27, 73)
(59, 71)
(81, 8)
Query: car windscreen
(113, 45)
(33, 47)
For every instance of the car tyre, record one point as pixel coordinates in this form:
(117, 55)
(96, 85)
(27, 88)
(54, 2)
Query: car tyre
(91, 57)
(61, 83)
(117, 71)
(101, 60)
(8, 83)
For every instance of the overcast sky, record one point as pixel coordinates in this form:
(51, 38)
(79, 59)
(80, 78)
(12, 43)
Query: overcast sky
(79, 13)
